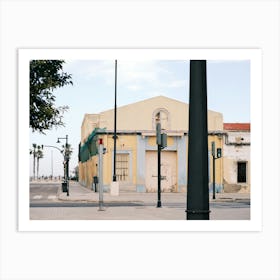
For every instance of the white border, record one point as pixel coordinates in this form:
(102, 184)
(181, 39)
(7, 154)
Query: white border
(254, 55)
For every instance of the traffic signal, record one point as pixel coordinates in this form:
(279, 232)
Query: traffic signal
(219, 152)
(163, 140)
(158, 133)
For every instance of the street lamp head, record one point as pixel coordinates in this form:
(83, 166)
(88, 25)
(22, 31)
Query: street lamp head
(57, 141)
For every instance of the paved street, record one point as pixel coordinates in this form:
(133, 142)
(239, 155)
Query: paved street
(47, 202)
(43, 192)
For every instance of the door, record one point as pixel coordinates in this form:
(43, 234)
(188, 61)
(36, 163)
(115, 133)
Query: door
(241, 172)
(168, 171)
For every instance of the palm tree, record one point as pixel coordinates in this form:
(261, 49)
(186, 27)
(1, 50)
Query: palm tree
(32, 152)
(37, 153)
(67, 153)
(39, 156)
(68, 150)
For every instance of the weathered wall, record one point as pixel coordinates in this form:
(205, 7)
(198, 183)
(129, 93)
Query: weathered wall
(236, 150)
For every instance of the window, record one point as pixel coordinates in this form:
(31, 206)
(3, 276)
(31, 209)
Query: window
(161, 116)
(122, 167)
(241, 172)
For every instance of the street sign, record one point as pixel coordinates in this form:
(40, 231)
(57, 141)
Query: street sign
(158, 133)
(213, 148)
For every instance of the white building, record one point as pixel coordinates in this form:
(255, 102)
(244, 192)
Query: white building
(236, 157)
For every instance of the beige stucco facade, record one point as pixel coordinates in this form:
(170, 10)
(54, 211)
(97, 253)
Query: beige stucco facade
(140, 116)
(136, 145)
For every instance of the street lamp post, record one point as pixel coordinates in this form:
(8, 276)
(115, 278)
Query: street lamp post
(66, 160)
(49, 146)
(197, 191)
(115, 184)
(115, 125)
(52, 163)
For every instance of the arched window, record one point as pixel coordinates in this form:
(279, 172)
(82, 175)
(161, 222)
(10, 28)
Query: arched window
(161, 115)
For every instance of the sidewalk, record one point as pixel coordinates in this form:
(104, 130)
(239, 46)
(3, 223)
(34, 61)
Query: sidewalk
(83, 204)
(78, 193)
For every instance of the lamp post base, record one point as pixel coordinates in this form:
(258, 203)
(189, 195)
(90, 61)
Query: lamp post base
(198, 214)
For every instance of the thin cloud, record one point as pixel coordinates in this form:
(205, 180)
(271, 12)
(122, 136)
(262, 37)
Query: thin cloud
(134, 87)
(177, 84)
(134, 76)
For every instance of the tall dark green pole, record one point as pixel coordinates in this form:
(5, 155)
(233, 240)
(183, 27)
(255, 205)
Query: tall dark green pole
(115, 125)
(197, 189)
(67, 164)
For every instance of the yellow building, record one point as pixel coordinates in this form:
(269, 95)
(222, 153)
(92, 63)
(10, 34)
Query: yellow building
(136, 151)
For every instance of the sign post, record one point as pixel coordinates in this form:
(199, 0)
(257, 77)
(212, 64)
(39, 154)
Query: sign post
(161, 144)
(158, 132)
(214, 170)
(100, 174)
(219, 155)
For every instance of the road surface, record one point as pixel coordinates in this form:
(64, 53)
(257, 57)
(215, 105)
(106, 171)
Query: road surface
(45, 205)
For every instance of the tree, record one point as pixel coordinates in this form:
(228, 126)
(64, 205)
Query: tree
(45, 77)
(33, 152)
(39, 156)
(76, 173)
(37, 153)
(67, 151)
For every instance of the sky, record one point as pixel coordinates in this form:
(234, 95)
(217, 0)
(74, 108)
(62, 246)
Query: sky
(93, 90)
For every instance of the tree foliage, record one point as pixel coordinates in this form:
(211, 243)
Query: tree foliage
(45, 77)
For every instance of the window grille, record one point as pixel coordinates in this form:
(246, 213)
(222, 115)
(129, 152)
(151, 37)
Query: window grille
(122, 169)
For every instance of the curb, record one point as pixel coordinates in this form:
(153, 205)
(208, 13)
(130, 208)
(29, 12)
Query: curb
(83, 200)
(229, 200)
